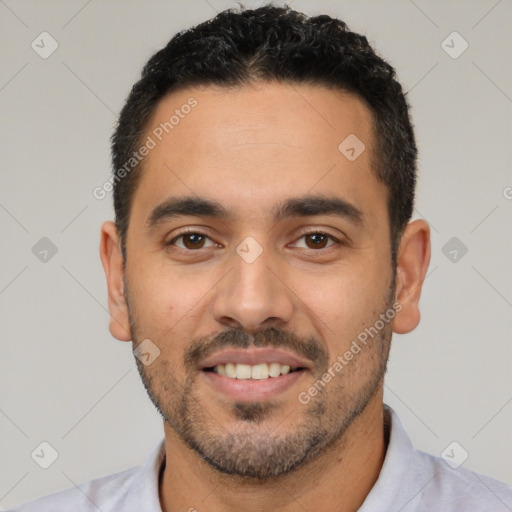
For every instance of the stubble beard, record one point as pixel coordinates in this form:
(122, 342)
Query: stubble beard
(254, 449)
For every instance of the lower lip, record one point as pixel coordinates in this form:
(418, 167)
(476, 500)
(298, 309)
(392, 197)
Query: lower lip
(252, 389)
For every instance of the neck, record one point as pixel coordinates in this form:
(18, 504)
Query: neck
(337, 480)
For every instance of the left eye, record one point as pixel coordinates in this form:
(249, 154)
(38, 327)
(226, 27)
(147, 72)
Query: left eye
(317, 240)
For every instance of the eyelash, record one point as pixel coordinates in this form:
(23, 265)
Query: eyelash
(302, 235)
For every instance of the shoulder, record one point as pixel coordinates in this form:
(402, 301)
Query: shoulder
(130, 490)
(90, 496)
(414, 481)
(459, 489)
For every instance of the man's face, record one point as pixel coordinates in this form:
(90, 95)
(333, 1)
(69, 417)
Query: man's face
(279, 277)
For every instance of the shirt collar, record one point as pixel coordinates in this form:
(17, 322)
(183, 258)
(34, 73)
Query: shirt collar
(143, 490)
(391, 485)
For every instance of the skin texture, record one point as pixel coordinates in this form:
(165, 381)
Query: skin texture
(250, 149)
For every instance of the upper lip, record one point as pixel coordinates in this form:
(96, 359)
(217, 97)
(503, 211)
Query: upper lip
(253, 357)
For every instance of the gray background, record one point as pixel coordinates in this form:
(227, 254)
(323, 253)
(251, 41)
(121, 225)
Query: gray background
(63, 378)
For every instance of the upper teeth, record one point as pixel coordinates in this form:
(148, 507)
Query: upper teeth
(246, 371)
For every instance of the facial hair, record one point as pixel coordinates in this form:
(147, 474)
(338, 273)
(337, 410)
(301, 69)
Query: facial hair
(252, 449)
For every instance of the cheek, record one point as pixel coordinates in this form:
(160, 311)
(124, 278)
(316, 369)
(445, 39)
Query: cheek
(162, 297)
(344, 301)
(153, 300)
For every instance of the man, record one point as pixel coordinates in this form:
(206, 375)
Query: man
(261, 257)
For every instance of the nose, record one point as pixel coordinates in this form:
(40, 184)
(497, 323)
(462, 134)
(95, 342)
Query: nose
(253, 296)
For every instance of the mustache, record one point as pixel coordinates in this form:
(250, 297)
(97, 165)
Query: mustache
(308, 347)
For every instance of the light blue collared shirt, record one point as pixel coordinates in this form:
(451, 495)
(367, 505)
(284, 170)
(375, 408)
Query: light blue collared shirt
(409, 481)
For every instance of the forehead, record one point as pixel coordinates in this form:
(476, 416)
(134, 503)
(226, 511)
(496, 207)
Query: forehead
(249, 146)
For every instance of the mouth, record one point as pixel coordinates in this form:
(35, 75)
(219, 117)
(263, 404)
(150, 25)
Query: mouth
(251, 375)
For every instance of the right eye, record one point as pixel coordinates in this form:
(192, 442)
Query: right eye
(190, 241)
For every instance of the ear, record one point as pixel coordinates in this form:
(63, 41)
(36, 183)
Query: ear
(412, 264)
(112, 260)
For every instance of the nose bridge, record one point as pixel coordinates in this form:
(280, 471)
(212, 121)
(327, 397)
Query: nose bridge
(252, 293)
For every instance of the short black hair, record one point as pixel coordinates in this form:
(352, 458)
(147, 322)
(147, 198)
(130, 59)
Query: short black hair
(243, 46)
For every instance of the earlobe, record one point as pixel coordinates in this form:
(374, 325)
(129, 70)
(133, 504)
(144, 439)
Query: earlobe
(412, 264)
(112, 261)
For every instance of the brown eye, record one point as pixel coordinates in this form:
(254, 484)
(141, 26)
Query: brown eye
(191, 241)
(316, 240)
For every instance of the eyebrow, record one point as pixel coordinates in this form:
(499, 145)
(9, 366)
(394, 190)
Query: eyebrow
(304, 206)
